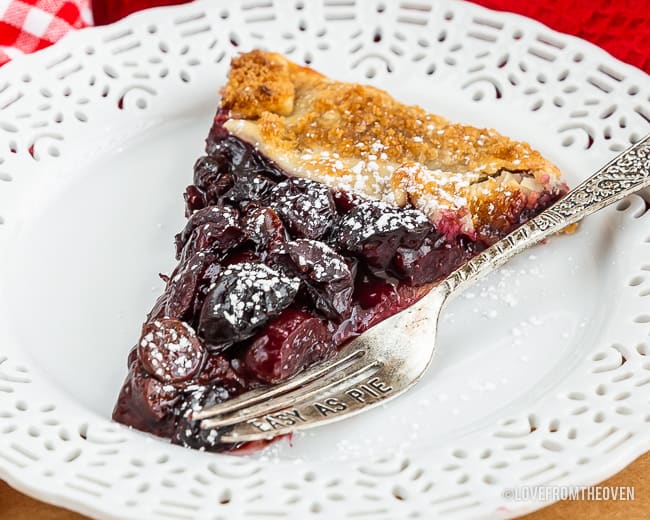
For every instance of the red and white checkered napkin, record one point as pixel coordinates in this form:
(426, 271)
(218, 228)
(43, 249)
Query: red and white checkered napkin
(29, 25)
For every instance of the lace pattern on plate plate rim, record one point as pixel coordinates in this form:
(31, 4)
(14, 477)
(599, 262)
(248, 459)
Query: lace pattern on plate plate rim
(591, 104)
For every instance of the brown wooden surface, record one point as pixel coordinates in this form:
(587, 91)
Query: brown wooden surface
(15, 506)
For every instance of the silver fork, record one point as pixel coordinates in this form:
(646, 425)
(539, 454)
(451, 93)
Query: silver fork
(379, 365)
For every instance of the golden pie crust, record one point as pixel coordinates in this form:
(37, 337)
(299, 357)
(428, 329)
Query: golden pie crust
(359, 138)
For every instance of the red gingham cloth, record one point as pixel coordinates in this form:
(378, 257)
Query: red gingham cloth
(29, 25)
(622, 27)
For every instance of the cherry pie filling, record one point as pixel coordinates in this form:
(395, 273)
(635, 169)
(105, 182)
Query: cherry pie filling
(275, 274)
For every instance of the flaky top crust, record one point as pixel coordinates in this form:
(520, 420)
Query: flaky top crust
(359, 137)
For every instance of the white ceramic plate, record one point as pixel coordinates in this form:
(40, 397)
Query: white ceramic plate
(543, 370)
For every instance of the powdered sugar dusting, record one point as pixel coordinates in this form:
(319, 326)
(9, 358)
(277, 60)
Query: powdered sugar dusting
(306, 206)
(170, 350)
(246, 300)
(375, 218)
(321, 268)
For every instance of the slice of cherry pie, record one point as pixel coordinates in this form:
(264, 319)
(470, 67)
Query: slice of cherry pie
(320, 209)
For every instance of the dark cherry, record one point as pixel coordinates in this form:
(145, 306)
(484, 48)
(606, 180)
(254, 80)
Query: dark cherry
(214, 226)
(213, 176)
(249, 188)
(244, 298)
(240, 256)
(252, 175)
(210, 238)
(242, 159)
(433, 259)
(194, 200)
(306, 207)
(371, 292)
(219, 369)
(184, 286)
(347, 200)
(160, 398)
(376, 298)
(144, 401)
(264, 227)
(188, 432)
(288, 344)
(326, 275)
(374, 231)
(215, 368)
(170, 351)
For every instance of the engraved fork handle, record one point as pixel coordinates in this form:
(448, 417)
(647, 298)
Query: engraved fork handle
(625, 174)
